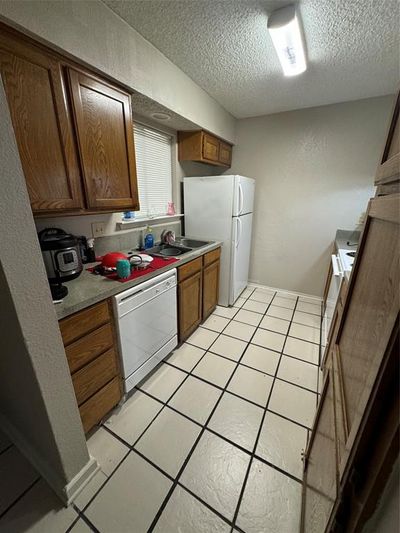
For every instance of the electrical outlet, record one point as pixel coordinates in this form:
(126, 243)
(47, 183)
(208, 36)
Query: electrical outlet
(98, 229)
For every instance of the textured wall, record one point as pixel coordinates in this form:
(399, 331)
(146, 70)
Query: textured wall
(89, 30)
(314, 172)
(37, 402)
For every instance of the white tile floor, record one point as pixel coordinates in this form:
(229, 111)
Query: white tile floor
(210, 442)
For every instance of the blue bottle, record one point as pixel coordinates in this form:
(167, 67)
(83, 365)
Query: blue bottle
(149, 239)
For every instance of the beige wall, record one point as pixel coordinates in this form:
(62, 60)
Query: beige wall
(90, 31)
(38, 409)
(314, 171)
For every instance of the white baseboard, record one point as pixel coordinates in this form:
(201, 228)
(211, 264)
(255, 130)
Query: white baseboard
(66, 492)
(297, 293)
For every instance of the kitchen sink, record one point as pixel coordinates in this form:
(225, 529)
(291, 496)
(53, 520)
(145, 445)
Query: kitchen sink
(191, 243)
(168, 250)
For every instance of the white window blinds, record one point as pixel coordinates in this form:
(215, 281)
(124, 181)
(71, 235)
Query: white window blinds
(154, 170)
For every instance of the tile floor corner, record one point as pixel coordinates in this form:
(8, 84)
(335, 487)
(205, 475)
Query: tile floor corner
(211, 441)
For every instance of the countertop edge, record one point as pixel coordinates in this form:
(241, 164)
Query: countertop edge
(64, 310)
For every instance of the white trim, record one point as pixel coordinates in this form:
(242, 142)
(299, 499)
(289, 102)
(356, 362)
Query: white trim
(66, 492)
(144, 221)
(253, 284)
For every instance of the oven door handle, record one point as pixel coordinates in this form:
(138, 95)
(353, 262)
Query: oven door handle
(335, 267)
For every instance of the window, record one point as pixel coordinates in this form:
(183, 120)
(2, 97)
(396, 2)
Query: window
(154, 170)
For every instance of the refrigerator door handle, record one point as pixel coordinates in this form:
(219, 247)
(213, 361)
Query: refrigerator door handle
(239, 231)
(241, 199)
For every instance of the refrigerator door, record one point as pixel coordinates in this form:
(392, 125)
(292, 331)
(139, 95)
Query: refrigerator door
(240, 255)
(243, 200)
(208, 215)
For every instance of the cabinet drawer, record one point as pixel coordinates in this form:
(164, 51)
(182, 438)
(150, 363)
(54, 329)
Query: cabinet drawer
(100, 404)
(95, 375)
(210, 257)
(185, 271)
(83, 322)
(84, 350)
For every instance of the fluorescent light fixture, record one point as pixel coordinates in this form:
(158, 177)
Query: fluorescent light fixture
(284, 28)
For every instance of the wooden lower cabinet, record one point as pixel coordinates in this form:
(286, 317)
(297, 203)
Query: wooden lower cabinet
(320, 477)
(190, 304)
(360, 349)
(210, 288)
(92, 355)
(198, 286)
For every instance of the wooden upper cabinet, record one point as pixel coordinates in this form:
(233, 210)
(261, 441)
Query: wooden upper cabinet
(36, 97)
(204, 147)
(210, 148)
(389, 168)
(103, 122)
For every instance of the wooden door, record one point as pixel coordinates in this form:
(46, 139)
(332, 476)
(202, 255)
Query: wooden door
(190, 305)
(389, 169)
(320, 476)
(370, 312)
(225, 153)
(210, 147)
(210, 288)
(104, 127)
(43, 129)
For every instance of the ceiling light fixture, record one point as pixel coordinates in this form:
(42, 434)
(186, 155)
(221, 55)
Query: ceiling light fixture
(285, 31)
(160, 115)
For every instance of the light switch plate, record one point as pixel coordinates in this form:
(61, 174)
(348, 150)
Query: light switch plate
(98, 229)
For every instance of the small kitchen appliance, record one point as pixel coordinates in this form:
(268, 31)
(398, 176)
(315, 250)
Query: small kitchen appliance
(61, 258)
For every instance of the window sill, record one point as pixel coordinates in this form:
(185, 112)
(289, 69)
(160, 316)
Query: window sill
(144, 221)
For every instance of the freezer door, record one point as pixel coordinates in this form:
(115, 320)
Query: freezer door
(240, 251)
(243, 200)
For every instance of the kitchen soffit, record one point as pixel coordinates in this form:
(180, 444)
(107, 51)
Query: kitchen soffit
(224, 46)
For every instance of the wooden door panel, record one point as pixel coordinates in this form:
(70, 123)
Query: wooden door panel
(210, 147)
(320, 479)
(190, 305)
(105, 137)
(210, 288)
(389, 169)
(36, 97)
(371, 310)
(225, 153)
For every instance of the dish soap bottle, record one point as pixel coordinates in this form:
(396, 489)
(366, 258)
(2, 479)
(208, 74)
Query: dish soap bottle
(149, 238)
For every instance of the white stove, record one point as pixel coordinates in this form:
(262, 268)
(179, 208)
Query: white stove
(346, 257)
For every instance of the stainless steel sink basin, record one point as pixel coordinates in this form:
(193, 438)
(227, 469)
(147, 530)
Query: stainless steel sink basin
(191, 243)
(168, 250)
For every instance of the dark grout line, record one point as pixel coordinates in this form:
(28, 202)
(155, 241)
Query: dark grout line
(84, 519)
(204, 427)
(4, 450)
(23, 493)
(243, 488)
(169, 494)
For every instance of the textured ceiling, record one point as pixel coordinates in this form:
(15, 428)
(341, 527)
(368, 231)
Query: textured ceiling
(224, 46)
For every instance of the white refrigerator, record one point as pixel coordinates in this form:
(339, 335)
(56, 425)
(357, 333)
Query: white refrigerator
(221, 208)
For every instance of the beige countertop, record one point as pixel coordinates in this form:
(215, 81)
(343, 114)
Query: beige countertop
(89, 289)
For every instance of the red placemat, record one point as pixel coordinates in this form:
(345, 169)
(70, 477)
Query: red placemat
(156, 264)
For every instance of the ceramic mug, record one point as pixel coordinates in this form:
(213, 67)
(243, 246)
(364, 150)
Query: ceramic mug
(123, 268)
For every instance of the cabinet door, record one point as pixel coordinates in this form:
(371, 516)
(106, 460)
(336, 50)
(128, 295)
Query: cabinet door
(190, 300)
(105, 138)
(225, 153)
(320, 475)
(389, 168)
(210, 147)
(210, 288)
(43, 130)
(370, 312)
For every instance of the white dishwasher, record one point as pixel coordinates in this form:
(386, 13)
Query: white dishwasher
(147, 325)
